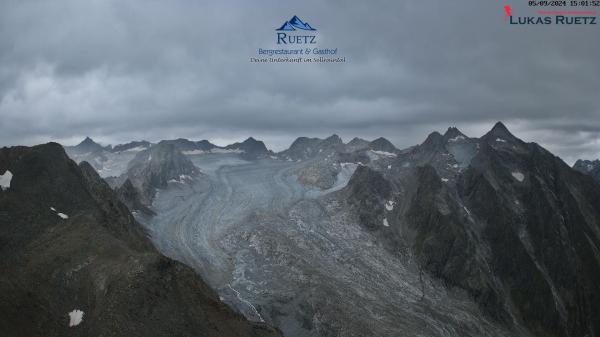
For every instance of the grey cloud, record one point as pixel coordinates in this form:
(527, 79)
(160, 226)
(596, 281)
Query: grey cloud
(150, 69)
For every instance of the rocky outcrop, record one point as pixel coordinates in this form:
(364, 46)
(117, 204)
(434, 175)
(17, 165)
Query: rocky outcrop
(250, 149)
(368, 191)
(132, 146)
(154, 168)
(131, 197)
(88, 145)
(304, 148)
(589, 167)
(382, 144)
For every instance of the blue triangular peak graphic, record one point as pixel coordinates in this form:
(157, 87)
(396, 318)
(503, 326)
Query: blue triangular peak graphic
(286, 26)
(295, 23)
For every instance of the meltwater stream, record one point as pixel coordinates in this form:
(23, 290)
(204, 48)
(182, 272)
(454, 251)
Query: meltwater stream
(291, 256)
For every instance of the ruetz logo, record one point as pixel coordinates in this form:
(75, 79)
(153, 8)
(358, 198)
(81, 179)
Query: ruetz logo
(287, 33)
(297, 43)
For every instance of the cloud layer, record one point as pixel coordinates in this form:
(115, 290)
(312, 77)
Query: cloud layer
(120, 71)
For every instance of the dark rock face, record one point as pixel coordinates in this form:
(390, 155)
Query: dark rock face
(89, 151)
(86, 146)
(357, 144)
(331, 142)
(130, 196)
(368, 192)
(251, 149)
(382, 144)
(591, 168)
(302, 148)
(504, 219)
(305, 148)
(182, 144)
(155, 167)
(541, 220)
(205, 145)
(68, 244)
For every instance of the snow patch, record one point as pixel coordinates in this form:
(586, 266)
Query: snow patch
(149, 157)
(445, 180)
(389, 167)
(53, 209)
(192, 152)
(518, 175)
(5, 180)
(389, 205)
(384, 153)
(217, 150)
(63, 215)
(136, 149)
(500, 140)
(456, 139)
(385, 222)
(75, 317)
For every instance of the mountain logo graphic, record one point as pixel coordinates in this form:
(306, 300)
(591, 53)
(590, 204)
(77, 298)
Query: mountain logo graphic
(295, 23)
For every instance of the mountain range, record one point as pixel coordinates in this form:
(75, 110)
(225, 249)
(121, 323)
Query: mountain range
(455, 236)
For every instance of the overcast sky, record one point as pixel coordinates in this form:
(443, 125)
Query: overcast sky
(128, 70)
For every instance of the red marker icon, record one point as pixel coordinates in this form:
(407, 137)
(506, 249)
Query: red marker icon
(507, 12)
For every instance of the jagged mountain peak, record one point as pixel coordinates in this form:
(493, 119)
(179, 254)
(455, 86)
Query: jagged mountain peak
(454, 133)
(250, 148)
(382, 144)
(87, 145)
(499, 133)
(301, 141)
(155, 167)
(333, 139)
(356, 140)
(589, 167)
(500, 126)
(433, 141)
(358, 144)
(205, 145)
(88, 140)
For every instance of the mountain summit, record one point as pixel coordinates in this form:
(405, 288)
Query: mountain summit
(88, 145)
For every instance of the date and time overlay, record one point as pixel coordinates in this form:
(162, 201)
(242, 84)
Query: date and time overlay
(559, 12)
